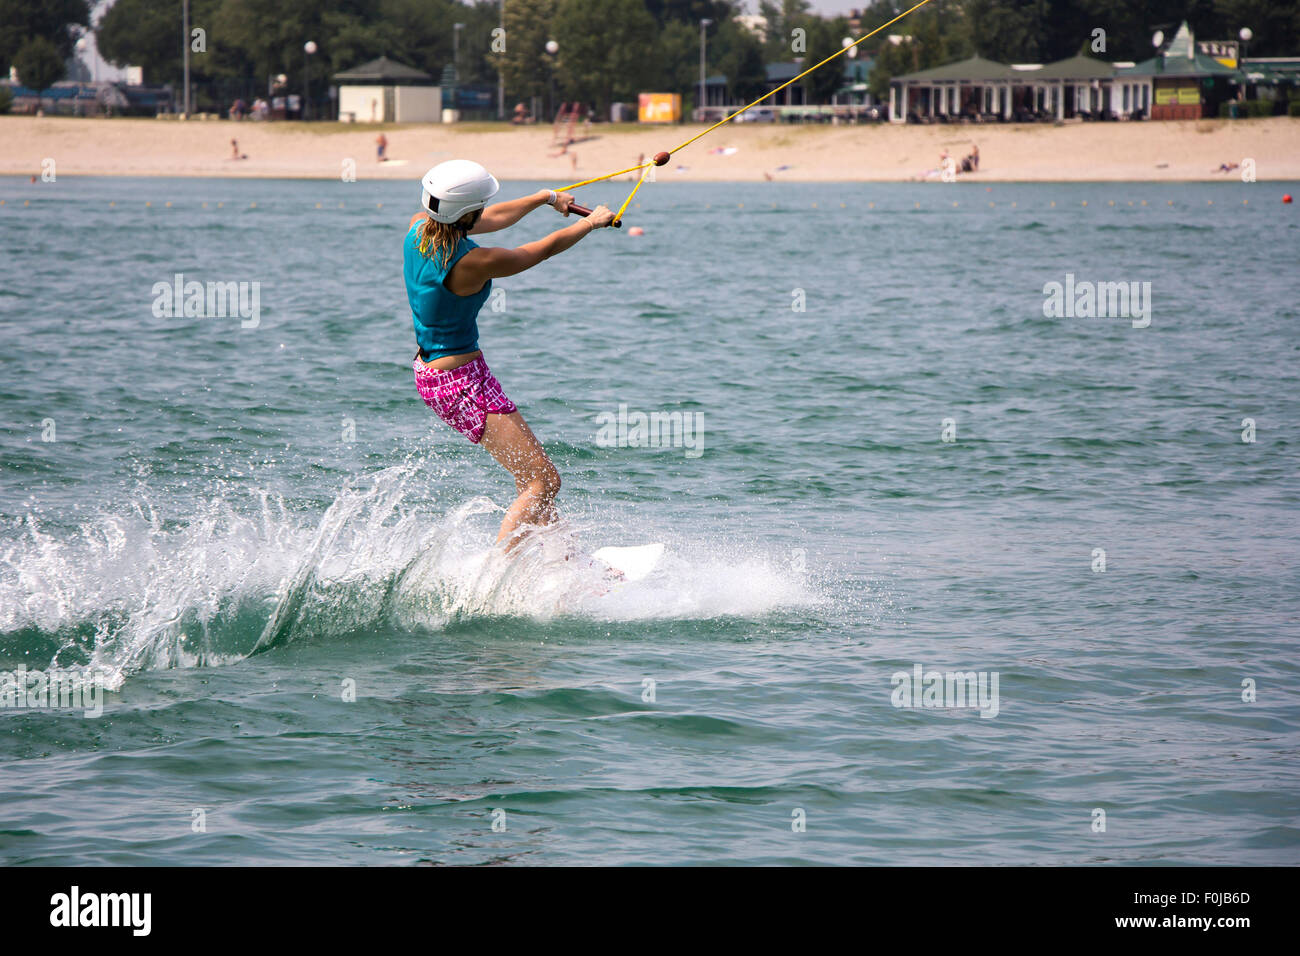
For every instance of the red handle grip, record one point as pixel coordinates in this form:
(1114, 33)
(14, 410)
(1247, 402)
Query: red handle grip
(584, 212)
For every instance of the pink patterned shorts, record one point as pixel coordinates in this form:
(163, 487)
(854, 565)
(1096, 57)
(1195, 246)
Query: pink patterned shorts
(463, 397)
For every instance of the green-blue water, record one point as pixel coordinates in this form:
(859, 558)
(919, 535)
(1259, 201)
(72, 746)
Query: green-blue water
(200, 474)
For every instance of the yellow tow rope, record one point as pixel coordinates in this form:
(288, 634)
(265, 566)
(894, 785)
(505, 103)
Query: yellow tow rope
(661, 158)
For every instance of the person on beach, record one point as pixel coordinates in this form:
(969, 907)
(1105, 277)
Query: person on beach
(448, 278)
(381, 147)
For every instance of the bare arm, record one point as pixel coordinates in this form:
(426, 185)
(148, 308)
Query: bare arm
(502, 214)
(477, 266)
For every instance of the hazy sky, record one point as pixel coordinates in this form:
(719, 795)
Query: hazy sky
(824, 7)
(835, 7)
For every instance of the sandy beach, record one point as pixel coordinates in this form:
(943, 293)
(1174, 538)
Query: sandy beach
(1150, 151)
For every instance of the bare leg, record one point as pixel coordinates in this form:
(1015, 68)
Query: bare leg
(513, 444)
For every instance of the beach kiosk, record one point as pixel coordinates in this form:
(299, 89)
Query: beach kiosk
(385, 91)
(1181, 81)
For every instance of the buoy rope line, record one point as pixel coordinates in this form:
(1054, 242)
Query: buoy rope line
(662, 158)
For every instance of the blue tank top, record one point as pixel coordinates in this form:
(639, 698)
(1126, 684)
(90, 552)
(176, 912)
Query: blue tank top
(445, 323)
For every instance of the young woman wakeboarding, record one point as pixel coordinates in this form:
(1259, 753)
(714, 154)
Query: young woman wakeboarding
(448, 278)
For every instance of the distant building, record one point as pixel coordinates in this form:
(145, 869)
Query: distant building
(793, 101)
(73, 98)
(857, 79)
(1271, 78)
(1185, 80)
(1186, 83)
(974, 88)
(385, 91)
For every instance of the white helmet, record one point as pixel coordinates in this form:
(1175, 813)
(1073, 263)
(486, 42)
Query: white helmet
(456, 187)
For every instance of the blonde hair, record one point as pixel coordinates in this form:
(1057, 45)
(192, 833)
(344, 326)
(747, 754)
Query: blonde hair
(438, 240)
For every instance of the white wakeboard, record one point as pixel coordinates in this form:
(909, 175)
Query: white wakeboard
(634, 563)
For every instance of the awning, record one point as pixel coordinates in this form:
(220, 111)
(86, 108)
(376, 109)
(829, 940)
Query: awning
(976, 69)
(383, 71)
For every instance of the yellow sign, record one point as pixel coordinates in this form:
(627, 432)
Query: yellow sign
(1180, 95)
(659, 108)
(1224, 51)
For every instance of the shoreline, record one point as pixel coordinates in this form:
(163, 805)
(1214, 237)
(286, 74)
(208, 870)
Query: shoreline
(1167, 151)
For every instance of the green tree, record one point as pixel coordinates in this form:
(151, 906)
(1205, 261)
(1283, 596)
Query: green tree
(928, 39)
(738, 55)
(1276, 26)
(350, 39)
(602, 49)
(891, 60)
(478, 64)
(143, 33)
(691, 11)
(678, 59)
(525, 63)
(23, 20)
(423, 31)
(825, 37)
(782, 19)
(267, 36)
(1003, 31)
(39, 65)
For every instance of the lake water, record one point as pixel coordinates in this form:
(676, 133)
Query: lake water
(897, 460)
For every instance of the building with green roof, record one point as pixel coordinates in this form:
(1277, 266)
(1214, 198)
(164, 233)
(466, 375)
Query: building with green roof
(983, 90)
(973, 86)
(1185, 82)
(385, 91)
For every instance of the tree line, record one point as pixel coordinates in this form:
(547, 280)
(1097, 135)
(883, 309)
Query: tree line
(608, 50)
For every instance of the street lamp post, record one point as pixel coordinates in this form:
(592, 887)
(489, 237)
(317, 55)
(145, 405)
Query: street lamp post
(81, 48)
(1246, 35)
(84, 43)
(455, 50)
(552, 48)
(501, 76)
(308, 49)
(185, 47)
(852, 54)
(704, 24)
